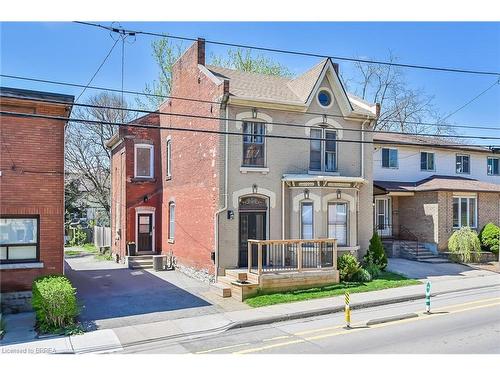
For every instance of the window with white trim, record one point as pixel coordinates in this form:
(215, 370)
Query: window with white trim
(337, 222)
(464, 212)
(493, 166)
(323, 153)
(144, 161)
(427, 161)
(306, 220)
(169, 158)
(171, 221)
(19, 239)
(254, 144)
(462, 163)
(389, 158)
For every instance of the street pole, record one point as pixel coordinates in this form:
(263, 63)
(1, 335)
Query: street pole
(347, 310)
(428, 297)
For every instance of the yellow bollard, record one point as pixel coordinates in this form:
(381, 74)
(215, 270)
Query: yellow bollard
(347, 310)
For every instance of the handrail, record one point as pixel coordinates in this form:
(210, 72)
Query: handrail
(292, 255)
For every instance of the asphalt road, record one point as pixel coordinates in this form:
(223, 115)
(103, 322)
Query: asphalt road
(464, 322)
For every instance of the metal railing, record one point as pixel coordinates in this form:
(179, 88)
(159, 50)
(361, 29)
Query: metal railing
(291, 255)
(402, 234)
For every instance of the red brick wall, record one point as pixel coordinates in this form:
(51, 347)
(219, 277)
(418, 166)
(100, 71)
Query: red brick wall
(194, 185)
(135, 190)
(34, 145)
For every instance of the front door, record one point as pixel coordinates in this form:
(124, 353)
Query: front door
(145, 232)
(383, 219)
(252, 226)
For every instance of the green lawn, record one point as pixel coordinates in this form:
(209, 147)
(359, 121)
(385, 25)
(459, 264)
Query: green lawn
(385, 281)
(72, 252)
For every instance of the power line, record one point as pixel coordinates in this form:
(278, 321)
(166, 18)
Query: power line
(473, 99)
(97, 71)
(221, 132)
(290, 52)
(302, 126)
(62, 83)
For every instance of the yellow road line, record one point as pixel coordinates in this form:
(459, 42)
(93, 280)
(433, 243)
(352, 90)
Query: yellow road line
(222, 348)
(318, 330)
(278, 338)
(420, 317)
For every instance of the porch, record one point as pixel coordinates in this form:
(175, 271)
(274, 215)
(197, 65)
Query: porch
(280, 265)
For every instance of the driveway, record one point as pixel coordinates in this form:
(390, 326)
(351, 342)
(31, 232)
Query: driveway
(438, 271)
(113, 295)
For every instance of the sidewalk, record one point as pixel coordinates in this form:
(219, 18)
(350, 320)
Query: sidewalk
(112, 340)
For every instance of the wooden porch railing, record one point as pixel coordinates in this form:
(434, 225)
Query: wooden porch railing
(291, 255)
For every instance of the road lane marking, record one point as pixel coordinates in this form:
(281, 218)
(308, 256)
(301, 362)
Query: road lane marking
(278, 338)
(420, 317)
(318, 330)
(222, 348)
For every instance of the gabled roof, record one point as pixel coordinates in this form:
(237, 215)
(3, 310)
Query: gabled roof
(296, 91)
(423, 140)
(438, 182)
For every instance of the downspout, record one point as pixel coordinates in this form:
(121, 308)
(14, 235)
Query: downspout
(224, 207)
(362, 175)
(282, 209)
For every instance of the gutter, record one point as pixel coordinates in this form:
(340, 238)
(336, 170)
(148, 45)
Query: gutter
(224, 207)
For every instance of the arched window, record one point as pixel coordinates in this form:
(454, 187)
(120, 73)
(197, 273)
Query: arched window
(323, 153)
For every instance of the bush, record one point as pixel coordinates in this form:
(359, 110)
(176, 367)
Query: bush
(54, 302)
(79, 238)
(373, 270)
(464, 243)
(348, 266)
(489, 237)
(363, 276)
(376, 253)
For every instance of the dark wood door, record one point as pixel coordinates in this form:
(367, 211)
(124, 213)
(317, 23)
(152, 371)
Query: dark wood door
(252, 226)
(145, 232)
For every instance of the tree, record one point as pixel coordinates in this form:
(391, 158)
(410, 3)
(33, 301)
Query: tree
(376, 253)
(165, 53)
(401, 106)
(87, 157)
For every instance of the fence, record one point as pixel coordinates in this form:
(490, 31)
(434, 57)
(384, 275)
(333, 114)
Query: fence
(102, 236)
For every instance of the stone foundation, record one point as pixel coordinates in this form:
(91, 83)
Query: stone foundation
(16, 302)
(202, 275)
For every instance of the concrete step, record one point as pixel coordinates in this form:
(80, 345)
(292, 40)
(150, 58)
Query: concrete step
(221, 289)
(435, 260)
(140, 262)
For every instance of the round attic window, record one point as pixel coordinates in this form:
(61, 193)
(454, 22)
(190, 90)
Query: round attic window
(324, 98)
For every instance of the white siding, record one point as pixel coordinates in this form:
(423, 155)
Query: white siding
(409, 165)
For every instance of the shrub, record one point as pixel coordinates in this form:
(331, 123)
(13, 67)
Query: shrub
(54, 302)
(78, 238)
(489, 237)
(373, 270)
(464, 243)
(363, 276)
(376, 253)
(348, 266)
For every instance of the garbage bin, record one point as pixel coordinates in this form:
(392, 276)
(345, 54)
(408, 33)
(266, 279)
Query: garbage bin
(131, 248)
(158, 264)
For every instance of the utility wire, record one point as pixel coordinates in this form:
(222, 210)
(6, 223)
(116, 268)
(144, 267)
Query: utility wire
(473, 99)
(97, 71)
(62, 83)
(221, 132)
(286, 124)
(290, 52)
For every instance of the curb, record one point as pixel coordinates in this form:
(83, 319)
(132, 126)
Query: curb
(393, 318)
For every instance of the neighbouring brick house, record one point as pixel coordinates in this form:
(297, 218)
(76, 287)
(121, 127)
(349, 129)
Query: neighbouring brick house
(425, 193)
(31, 191)
(136, 187)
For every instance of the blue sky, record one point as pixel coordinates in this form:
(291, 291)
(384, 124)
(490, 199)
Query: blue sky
(72, 52)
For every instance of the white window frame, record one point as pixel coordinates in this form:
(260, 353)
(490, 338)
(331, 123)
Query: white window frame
(145, 210)
(427, 169)
(169, 157)
(382, 157)
(151, 159)
(323, 151)
(492, 170)
(264, 143)
(332, 98)
(171, 223)
(468, 198)
(311, 203)
(462, 163)
(347, 218)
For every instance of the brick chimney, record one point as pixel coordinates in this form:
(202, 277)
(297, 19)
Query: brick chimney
(201, 51)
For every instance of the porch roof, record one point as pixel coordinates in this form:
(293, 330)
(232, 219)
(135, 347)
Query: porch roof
(436, 183)
(321, 180)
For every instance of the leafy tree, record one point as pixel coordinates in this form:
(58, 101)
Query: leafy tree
(376, 253)
(464, 244)
(490, 237)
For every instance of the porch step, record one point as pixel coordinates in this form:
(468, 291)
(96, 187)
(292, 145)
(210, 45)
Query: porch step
(435, 260)
(140, 262)
(239, 289)
(221, 289)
